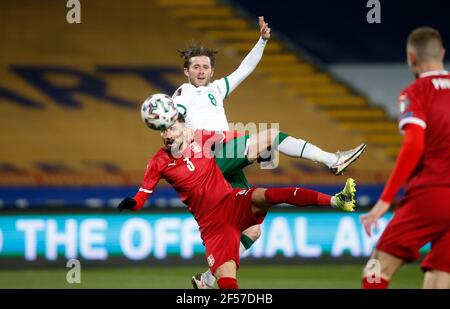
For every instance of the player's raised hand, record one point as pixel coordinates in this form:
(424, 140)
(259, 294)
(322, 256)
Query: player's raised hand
(264, 28)
(372, 217)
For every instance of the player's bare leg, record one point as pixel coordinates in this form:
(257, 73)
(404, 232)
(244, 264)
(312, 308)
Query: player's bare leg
(226, 275)
(337, 162)
(386, 265)
(206, 280)
(436, 279)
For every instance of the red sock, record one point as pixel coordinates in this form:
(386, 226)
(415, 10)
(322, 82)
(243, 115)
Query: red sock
(383, 284)
(297, 197)
(227, 283)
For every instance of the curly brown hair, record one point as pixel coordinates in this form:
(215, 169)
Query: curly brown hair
(195, 50)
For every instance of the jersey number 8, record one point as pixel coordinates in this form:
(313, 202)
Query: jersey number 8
(212, 99)
(189, 164)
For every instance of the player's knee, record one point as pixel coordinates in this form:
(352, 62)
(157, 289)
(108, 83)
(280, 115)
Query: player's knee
(259, 203)
(259, 198)
(253, 232)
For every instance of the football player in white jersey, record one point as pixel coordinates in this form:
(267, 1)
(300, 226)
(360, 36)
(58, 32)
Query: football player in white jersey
(201, 102)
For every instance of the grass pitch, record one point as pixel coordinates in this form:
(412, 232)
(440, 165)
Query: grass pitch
(250, 276)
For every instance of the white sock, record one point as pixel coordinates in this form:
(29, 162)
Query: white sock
(241, 248)
(333, 201)
(209, 279)
(296, 147)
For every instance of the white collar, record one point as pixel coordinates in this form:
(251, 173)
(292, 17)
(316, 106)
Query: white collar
(432, 73)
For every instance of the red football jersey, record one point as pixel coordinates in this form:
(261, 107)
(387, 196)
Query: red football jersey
(426, 102)
(194, 175)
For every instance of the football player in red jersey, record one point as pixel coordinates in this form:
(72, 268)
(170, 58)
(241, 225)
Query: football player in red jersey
(423, 165)
(222, 213)
(202, 101)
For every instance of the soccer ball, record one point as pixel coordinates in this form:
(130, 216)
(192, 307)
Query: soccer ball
(158, 112)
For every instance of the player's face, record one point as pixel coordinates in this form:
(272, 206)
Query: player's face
(200, 71)
(173, 137)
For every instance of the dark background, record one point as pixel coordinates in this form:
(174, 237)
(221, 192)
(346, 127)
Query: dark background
(337, 31)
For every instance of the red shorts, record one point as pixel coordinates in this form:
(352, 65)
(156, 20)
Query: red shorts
(232, 217)
(423, 216)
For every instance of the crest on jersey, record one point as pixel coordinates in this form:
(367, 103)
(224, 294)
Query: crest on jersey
(403, 102)
(195, 147)
(211, 260)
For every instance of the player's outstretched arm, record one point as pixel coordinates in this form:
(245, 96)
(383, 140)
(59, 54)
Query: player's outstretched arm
(134, 203)
(264, 28)
(252, 59)
(410, 153)
(151, 179)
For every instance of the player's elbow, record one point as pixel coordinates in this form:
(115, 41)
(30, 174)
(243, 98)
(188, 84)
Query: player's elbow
(415, 145)
(414, 140)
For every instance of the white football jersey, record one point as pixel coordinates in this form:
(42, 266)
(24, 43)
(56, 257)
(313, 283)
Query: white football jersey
(203, 106)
